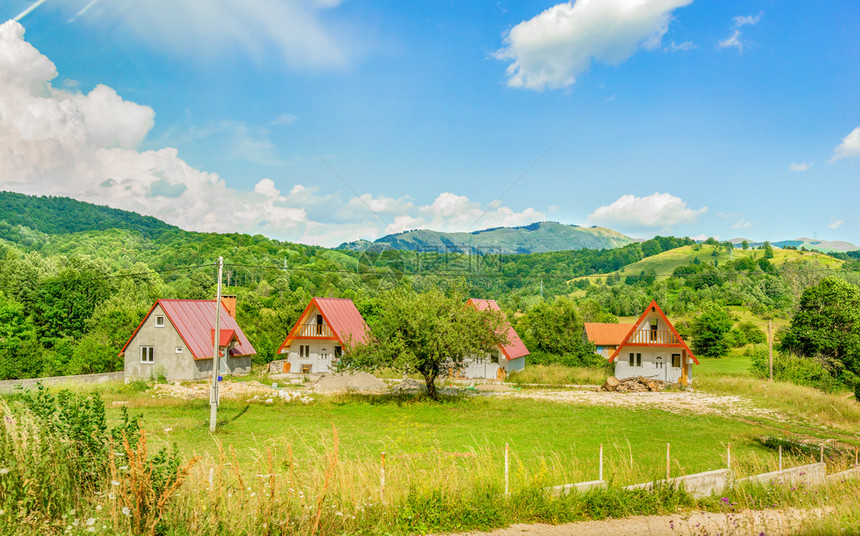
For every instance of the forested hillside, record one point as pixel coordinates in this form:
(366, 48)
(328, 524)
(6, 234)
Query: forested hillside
(70, 300)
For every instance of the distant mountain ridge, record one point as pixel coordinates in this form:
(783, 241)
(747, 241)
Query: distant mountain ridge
(60, 215)
(539, 237)
(825, 246)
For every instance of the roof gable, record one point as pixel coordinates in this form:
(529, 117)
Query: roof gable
(342, 317)
(515, 347)
(652, 307)
(194, 321)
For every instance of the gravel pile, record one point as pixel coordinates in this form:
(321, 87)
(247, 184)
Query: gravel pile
(350, 382)
(409, 386)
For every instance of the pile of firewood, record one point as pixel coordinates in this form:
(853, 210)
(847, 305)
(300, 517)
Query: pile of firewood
(632, 385)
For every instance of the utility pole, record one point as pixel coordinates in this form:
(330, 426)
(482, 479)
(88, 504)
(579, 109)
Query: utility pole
(213, 393)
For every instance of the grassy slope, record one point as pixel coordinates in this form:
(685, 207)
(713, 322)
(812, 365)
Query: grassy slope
(663, 264)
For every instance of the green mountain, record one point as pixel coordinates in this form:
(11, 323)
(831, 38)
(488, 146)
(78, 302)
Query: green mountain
(60, 215)
(541, 237)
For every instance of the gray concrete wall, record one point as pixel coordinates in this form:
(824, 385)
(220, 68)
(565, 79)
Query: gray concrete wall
(698, 485)
(842, 476)
(9, 386)
(580, 487)
(812, 474)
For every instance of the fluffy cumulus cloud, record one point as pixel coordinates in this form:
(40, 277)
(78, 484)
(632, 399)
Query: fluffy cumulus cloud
(270, 31)
(657, 211)
(553, 48)
(57, 141)
(850, 146)
(799, 166)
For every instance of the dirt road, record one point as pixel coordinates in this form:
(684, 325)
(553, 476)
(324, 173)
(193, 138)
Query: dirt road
(753, 523)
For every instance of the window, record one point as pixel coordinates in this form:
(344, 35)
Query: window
(638, 360)
(147, 354)
(631, 359)
(338, 351)
(323, 354)
(304, 350)
(659, 362)
(159, 321)
(676, 360)
(654, 329)
(319, 324)
(178, 350)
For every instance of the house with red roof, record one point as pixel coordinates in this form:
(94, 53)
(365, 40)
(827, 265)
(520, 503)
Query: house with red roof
(652, 348)
(510, 357)
(606, 337)
(176, 339)
(324, 330)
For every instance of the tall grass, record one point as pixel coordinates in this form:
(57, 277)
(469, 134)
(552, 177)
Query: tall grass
(836, 410)
(556, 374)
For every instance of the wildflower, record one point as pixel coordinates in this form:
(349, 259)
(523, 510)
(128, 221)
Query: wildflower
(124, 468)
(168, 429)
(4, 470)
(114, 483)
(126, 511)
(99, 507)
(91, 521)
(91, 529)
(111, 496)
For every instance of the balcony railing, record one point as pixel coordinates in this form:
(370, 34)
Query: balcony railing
(309, 331)
(647, 336)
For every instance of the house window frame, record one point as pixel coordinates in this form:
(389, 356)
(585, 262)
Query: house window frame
(658, 362)
(159, 321)
(653, 326)
(338, 352)
(638, 359)
(324, 353)
(632, 359)
(673, 360)
(178, 350)
(151, 356)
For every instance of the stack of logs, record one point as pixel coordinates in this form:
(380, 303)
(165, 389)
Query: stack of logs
(632, 385)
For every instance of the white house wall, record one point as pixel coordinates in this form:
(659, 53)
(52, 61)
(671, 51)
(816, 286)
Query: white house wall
(315, 360)
(649, 368)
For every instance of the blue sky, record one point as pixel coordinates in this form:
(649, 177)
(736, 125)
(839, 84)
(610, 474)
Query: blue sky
(323, 121)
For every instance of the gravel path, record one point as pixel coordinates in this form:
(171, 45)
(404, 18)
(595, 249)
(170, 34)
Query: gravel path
(751, 522)
(675, 401)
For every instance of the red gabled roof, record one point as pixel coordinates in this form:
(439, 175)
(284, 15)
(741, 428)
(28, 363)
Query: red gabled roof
(194, 320)
(603, 334)
(515, 347)
(653, 305)
(342, 317)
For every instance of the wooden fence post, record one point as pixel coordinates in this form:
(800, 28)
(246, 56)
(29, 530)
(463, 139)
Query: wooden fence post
(668, 460)
(382, 479)
(729, 456)
(780, 457)
(507, 456)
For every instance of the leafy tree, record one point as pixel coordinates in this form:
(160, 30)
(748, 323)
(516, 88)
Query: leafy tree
(17, 342)
(553, 327)
(768, 250)
(745, 245)
(827, 323)
(710, 331)
(426, 333)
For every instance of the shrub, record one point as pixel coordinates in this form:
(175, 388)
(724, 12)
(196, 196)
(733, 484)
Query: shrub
(792, 368)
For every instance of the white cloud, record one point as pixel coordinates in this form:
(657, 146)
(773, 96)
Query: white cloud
(733, 41)
(702, 237)
(737, 219)
(835, 224)
(679, 47)
(654, 211)
(801, 166)
(747, 20)
(293, 32)
(61, 142)
(850, 146)
(553, 48)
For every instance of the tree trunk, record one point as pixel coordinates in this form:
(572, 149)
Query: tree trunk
(430, 380)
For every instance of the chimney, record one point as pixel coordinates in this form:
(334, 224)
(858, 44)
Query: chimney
(229, 303)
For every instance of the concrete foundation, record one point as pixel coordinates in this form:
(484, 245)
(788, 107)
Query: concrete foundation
(698, 485)
(813, 474)
(578, 487)
(842, 476)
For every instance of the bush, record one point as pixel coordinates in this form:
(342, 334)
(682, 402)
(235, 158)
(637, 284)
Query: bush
(792, 368)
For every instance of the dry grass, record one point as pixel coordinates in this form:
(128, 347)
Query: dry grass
(833, 410)
(559, 375)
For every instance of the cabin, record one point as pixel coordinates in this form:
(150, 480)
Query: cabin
(176, 339)
(509, 358)
(653, 349)
(606, 337)
(323, 331)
